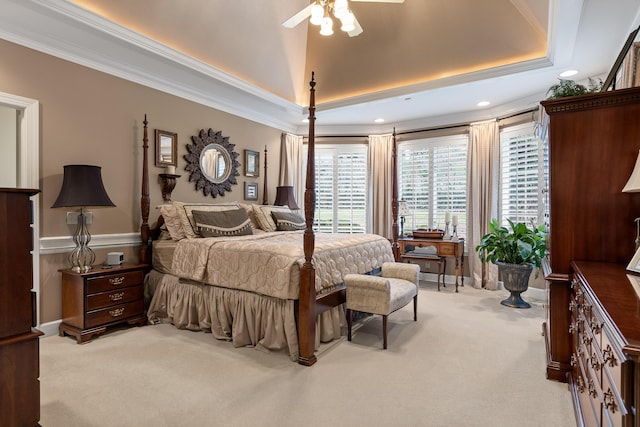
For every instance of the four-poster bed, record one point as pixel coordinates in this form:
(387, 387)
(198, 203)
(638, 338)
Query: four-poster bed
(310, 299)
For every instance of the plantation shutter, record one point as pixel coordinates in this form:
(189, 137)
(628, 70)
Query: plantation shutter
(433, 180)
(341, 187)
(523, 168)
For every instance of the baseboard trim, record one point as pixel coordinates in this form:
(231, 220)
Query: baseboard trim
(531, 293)
(50, 328)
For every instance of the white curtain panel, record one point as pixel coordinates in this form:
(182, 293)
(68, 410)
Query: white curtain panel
(380, 185)
(630, 76)
(292, 165)
(483, 169)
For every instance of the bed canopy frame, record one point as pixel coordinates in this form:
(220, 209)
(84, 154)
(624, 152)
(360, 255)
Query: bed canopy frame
(309, 305)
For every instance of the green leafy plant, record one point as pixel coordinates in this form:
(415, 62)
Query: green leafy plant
(566, 88)
(520, 245)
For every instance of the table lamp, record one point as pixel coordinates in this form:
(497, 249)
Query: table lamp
(284, 197)
(82, 187)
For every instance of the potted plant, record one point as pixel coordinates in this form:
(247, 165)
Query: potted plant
(566, 88)
(516, 252)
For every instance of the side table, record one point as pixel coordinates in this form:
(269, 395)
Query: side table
(102, 297)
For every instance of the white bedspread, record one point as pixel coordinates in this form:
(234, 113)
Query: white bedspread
(269, 264)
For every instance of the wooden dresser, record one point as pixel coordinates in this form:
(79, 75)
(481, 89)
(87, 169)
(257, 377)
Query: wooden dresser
(19, 348)
(102, 297)
(605, 326)
(593, 145)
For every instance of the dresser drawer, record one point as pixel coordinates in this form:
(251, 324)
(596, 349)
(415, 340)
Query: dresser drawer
(113, 297)
(114, 313)
(114, 281)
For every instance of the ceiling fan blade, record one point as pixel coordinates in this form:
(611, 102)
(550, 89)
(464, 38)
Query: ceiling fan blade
(298, 17)
(357, 30)
(380, 1)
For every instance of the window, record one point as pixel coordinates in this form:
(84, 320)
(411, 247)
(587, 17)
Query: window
(341, 188)
(432, 175)
(524, 168)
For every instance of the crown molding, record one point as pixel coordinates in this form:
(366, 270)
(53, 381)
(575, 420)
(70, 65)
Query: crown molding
(65, 30)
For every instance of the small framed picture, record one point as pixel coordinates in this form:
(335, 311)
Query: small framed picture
(251, 191)
(634, 265)
(166, 148)
(251, 163)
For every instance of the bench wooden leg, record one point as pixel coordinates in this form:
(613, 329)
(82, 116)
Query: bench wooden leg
(415, 308)
(384, 331)
(349, 320)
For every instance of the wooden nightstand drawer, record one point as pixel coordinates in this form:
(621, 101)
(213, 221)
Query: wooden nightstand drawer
(113, 297)
(116, 313)
(114, 281)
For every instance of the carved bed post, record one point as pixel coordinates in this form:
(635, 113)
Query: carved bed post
(394, 197)
(145, 253)
(307, 298)
(265, 192)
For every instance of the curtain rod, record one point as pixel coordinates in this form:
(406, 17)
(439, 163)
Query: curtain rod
(409, 132)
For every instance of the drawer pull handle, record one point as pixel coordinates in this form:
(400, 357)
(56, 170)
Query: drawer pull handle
(610, 401)
(116, 297)
(580, 384)
(595, 364)
(596, 327)
(572, 328)
(572, 306)
(574, 361)
(609, 357)
(115, 281)
(586, 340)
(117, 312)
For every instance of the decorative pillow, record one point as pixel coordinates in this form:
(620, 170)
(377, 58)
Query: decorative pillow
(172, 221)
(184, 211)
(252, 216)
(288, 221)
(264, 218)
(223, 223)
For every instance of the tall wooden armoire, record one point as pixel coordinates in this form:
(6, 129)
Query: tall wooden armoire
(594, 141)
(19, 358)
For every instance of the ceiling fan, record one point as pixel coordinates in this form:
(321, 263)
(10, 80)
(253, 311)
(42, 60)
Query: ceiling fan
(319, 13)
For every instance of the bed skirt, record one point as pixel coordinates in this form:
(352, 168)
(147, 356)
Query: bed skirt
(244, 318)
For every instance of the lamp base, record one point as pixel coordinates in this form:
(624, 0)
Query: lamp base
(82, 257)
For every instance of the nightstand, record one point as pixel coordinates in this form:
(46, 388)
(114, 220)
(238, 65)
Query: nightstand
(102, 297)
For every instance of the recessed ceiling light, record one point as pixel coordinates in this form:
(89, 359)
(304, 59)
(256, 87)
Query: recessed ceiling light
(568, 73)
(483, 103)
(379, 120)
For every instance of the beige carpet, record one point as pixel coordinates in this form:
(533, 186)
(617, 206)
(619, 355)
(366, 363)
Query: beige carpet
(468, 361)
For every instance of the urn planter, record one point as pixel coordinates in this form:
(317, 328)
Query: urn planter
(515, 278)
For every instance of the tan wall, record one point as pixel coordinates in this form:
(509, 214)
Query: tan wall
(88, 117)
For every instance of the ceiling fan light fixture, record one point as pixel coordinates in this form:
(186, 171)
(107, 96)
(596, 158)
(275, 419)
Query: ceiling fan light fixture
(340, 8)
(326, 28)
(348, 22)
(317, 13)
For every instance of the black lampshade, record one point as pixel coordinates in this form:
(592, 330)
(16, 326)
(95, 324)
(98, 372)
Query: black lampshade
(284, 197)
(82, 186)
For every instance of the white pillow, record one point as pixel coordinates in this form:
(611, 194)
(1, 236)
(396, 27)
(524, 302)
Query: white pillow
(264, 218)
(184, 211)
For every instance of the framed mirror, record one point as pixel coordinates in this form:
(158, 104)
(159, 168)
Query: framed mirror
(212, 163)
(166, 148)
(251, 163)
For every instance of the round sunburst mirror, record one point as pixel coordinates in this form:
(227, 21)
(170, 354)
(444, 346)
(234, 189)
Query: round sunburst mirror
(212, 163)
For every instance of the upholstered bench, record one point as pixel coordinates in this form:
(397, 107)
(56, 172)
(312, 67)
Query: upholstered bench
(383, 295)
